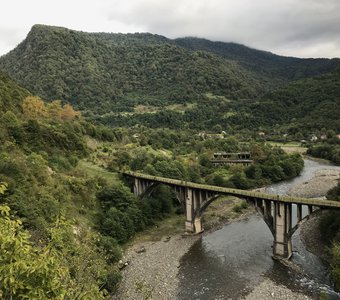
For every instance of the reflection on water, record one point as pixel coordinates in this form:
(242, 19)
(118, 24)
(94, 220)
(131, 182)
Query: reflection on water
(229, 262)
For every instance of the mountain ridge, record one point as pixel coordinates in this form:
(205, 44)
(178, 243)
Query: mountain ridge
(114, 74)
(58, 63)
(76, 51)
(252, 58)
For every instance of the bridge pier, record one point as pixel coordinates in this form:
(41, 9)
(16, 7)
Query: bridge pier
(282, 247)
(193, 200)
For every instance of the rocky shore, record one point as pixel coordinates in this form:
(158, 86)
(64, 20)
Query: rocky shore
(270, 290)
(318, 186)
(152, 267)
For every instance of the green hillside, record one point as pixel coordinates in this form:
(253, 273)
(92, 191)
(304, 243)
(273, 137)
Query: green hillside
(312, 103)
(60, 228)
(263, 62)
(11, 94)
(300, 106)
(104, 72)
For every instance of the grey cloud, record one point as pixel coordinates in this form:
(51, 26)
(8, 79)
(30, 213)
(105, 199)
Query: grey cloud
(268, 25)
(9, 38)
(288, 27)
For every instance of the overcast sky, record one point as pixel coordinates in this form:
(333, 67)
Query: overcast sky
(302, 28)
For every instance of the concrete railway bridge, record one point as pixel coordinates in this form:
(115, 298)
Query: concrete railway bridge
(277, 211)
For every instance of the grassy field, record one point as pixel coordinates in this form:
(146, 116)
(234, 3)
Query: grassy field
(290, 147)
(94, 170)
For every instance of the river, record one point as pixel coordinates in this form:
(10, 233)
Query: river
(230, 262)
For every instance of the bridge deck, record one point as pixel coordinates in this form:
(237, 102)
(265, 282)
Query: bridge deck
(237, 192)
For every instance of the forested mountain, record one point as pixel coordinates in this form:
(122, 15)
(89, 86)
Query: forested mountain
(129, 79)
(263, 62)
(99, 70)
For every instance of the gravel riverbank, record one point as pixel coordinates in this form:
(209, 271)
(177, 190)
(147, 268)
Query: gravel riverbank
(152, 274)
(318, 186)
(152, 267)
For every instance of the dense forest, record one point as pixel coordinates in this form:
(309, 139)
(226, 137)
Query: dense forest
(306, 104)
(298, 109)
(262, 62)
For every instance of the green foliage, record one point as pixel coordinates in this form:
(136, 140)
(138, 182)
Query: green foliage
(335, 250)
(45, 254)
(123, 215)
(334, 193)
(3, 187)
(304, 105)
(79, 253)
(26, 272)
(330, 226)
(113, 252)
(117, 196)
(327, 151)
(238, 208)
(11, 95)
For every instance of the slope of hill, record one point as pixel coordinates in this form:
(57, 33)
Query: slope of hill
(262, 62)
(311, 103)
(11, 94)
(98, 71)
(303, 105)
(54, 242)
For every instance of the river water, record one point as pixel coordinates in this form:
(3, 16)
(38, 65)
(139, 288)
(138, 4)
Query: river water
(230, 262)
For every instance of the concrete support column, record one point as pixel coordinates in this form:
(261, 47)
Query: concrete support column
(282, 226)
(267, 209)
(193, 200)
(259, 205)
(189, 210)
(310, 209)
(136, 187)
(198, 225)
(299, 212)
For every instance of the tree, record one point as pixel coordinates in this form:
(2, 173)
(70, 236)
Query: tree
(34, 107)
(55, 110)
(25, 271)
(68, 113)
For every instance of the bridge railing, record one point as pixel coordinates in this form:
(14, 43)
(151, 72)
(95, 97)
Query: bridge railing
(237, 192)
